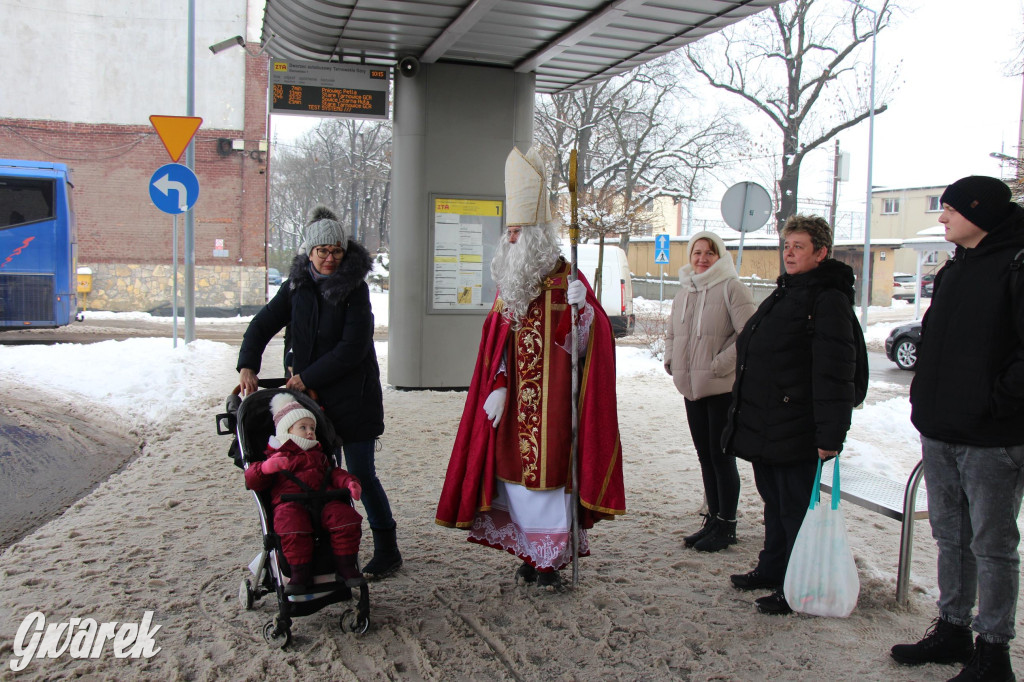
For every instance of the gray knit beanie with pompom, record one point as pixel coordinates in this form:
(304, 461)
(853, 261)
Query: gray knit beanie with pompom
(323, 229)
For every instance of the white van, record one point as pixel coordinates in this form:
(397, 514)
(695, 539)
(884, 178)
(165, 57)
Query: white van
(616, 282)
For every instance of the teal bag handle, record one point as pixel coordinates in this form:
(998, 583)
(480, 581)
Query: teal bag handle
(816, 490)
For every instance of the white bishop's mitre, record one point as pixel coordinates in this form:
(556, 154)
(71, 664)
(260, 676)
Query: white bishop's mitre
(525, 188)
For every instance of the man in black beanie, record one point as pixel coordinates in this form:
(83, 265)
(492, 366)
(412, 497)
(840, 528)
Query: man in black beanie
(967, 401)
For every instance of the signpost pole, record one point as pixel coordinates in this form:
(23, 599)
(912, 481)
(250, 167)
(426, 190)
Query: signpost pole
(174, 189)
(175, 303)
(190, 162)
(661, 248)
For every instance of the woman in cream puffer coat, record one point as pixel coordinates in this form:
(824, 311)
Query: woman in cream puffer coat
(700, 353)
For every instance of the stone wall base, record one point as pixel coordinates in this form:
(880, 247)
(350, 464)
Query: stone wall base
(129, 287)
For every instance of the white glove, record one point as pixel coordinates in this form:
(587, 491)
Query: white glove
(494, 406)
(577, 293)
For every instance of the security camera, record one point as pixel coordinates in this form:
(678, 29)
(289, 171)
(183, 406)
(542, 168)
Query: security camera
(408, 66)
(225, 44)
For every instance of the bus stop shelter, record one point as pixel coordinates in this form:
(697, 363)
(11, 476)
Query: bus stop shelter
(466, 75)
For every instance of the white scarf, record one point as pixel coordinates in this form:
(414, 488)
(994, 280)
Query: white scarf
(691, 282)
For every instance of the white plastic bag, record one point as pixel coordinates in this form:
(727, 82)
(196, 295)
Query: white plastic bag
(821, 578)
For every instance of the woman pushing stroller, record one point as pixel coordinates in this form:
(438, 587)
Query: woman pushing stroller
(296, 464)
(326, 305)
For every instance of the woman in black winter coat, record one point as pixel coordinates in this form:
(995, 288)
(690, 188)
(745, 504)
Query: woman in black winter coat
(793, 397)
(326, 305)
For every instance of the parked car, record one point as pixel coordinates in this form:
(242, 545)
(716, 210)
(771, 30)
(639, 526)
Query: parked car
(927, 286)
(901, 346)
(904, 287)
(273, 276)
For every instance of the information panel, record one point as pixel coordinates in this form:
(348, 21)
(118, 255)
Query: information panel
(328, 89)
(465, 235)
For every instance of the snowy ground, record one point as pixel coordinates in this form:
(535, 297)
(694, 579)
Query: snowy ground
(172, 532)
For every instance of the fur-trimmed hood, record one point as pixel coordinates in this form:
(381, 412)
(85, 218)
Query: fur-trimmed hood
(352, 270)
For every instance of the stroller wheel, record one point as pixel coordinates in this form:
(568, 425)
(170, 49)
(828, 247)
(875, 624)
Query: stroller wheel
(277, 636)
(245, 595)
(352, 622)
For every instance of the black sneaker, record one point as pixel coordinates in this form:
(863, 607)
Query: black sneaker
(944, 642)
(754, 580)
(774, 604)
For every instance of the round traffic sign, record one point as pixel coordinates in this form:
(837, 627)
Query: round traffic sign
(746, 206)
(174, 188)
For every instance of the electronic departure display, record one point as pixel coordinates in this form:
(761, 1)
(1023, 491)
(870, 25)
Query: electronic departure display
(329, 89)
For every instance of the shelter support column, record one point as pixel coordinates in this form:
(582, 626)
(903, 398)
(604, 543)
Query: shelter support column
(453, 127)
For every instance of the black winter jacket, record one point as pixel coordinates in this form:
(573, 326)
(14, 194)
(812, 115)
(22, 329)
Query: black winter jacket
(968, 383)
(331, 335)
(795, 365)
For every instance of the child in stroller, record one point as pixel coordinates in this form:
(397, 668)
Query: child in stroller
(331, 573)
(295, 463)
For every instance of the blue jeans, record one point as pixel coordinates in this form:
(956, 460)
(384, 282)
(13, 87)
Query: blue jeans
(974, 496)
(359, 462)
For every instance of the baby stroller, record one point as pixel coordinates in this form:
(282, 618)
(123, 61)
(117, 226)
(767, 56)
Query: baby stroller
(251, 422)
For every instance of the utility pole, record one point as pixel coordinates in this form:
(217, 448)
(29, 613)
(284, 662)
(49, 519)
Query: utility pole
(1020, 137)
(835, 190)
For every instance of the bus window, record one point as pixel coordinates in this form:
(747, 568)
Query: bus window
(25, 200)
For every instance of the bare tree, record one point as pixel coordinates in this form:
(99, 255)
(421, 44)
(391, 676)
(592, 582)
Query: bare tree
(638, 137)
(797, 64)
(344, 164)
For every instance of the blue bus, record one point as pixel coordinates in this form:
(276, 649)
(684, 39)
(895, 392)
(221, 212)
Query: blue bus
(38, 245)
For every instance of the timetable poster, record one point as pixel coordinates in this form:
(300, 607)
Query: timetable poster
(466, 233)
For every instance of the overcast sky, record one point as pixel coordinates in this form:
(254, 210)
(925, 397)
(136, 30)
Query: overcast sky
(953, 104)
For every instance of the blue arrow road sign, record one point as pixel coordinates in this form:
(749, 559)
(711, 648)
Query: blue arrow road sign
(661, 249)
(174, 188)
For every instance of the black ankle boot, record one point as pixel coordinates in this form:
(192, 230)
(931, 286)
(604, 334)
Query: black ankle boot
(990, 663)
(552, 580)
(386, 557)
(721, 536)
(526, 573)
(944, 642)
(706, 527)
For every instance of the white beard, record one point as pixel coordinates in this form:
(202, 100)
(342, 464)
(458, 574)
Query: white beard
(520, 268)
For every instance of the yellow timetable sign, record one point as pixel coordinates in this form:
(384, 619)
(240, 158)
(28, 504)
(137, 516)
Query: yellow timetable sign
(482, 207)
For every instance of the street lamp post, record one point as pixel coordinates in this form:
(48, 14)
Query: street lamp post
(865, 292)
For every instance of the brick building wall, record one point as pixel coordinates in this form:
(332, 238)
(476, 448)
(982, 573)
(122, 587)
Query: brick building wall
(126, 240)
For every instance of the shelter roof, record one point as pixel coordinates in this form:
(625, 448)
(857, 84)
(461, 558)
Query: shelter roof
(569, 43)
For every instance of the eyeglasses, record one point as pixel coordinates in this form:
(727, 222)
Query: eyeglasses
(326, 252)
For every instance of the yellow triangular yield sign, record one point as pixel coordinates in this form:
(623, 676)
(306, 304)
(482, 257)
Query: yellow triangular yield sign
(175, 132)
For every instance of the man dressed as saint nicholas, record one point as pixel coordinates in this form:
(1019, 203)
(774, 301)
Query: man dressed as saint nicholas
(509, 480)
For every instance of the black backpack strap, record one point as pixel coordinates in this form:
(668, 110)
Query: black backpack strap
(862, 373)
(1015, 267)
